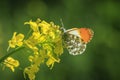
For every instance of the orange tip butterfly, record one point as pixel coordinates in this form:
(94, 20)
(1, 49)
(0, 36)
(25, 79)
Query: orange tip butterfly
(76, 39)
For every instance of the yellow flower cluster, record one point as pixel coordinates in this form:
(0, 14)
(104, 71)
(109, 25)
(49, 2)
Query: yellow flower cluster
(45, 42)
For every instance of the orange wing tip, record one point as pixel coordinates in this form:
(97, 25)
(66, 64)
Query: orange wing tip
(86, 34)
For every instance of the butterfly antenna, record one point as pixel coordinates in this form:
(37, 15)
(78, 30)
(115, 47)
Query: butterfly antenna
(62, 28)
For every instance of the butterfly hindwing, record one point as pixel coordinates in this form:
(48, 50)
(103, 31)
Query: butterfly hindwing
(74, 44)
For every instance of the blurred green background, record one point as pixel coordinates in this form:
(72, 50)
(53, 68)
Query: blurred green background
(100, 61)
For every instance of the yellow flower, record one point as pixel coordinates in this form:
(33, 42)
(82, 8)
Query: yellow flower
(51, 60)
(47, 46)
(11, 63)
(32, 41)
(33, 25)
(31, 45)
(36, 59)
(45, 27)
(58, 48)
(42, 39)
(52, 35)
(17, 40)
(31, 71)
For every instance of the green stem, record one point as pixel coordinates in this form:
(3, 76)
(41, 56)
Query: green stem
(4, 57)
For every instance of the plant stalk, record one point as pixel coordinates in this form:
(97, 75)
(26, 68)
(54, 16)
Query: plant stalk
(10, 53)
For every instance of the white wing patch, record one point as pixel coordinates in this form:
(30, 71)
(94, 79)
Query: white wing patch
(73, 32)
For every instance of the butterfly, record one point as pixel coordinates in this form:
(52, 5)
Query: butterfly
(76, 39)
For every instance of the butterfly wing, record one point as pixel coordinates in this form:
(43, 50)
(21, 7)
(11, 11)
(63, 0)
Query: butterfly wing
(75, 39)
(74, 44)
